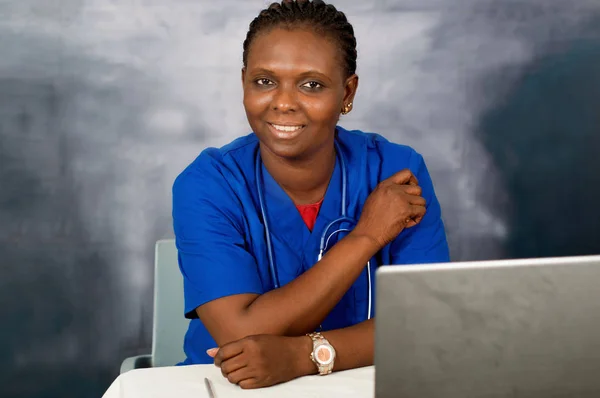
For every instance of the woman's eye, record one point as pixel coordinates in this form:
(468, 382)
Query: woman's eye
(263, 82)
(313, 85)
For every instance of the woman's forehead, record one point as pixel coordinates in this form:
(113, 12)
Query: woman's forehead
(294, 50)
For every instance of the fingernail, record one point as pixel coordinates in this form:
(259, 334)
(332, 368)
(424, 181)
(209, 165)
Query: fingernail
(212, 352)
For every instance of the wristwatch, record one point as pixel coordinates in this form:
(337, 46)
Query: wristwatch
(323, 354)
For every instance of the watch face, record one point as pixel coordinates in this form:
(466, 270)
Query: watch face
(323, 355)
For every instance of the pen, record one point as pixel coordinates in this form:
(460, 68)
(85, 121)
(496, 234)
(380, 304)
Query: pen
(208, 384)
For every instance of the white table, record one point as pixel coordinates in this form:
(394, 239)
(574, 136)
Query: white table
(188, 382)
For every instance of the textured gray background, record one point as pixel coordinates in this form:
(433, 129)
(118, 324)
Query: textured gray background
(103, 102)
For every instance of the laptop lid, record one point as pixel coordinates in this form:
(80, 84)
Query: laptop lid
(509, 328)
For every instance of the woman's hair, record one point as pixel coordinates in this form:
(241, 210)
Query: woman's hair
(317, 15)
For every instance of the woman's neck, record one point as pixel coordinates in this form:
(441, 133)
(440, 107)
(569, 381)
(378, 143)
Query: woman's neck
(304, 180)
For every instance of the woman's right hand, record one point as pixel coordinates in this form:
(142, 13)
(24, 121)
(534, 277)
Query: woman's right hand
(396, 203)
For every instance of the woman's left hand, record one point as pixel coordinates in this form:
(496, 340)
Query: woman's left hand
(264, 360)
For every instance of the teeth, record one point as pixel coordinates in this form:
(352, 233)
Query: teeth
(286, 128)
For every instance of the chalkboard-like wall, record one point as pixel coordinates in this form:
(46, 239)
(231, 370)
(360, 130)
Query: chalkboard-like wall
(103, 103)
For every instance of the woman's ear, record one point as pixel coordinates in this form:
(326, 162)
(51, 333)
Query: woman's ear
(350, 88)
(243, 75)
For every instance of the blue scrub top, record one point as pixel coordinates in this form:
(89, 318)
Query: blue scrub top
(221, 239)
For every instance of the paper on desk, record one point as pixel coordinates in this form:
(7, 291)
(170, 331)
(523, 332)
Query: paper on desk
(188, 382)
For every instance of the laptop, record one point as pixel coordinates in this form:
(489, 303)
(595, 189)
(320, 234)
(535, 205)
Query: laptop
(490, 329)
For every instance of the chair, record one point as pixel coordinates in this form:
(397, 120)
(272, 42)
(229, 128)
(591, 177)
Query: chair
(169, 325)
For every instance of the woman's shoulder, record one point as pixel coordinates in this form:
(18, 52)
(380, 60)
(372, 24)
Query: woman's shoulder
(212, 159)
(379, 147)
(214, 163)
(237, 149)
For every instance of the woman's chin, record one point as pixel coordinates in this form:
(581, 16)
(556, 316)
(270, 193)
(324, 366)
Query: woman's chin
(287, 150)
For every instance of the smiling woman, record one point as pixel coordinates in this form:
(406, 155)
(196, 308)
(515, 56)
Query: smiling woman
(294, 90)
(280, 232)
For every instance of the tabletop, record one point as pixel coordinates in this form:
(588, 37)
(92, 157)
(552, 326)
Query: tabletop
(188, 382)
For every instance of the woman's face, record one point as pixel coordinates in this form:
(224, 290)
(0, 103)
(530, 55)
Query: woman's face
(294, 90)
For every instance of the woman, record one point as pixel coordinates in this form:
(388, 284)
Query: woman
(250, 217)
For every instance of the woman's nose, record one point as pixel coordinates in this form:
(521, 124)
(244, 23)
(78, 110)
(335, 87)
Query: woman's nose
(285, 99)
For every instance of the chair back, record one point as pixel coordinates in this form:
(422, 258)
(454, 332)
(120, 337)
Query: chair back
(169, 324)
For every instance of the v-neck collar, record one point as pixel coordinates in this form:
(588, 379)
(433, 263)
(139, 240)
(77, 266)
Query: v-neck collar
(285, 220)
(286, 224)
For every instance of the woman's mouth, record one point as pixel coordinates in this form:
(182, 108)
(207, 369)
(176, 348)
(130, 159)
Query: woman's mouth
(286, 131)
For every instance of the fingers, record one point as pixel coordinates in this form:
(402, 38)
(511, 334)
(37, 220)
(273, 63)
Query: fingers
(212, 352)
(404, 177)
(228, 351)
(248, 383)
(417, 200)
(413, 222)
(233, 364)
(239, 375)
(412, 196)
(411, 189)
(413, 180)
(413, 193)
(417, 212)
(235, 367)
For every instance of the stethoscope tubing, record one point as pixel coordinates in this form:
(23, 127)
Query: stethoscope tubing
(325, 236)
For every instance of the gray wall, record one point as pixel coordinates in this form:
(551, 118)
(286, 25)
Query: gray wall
(103, 103)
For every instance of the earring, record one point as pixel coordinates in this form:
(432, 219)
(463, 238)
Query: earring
(347, 108)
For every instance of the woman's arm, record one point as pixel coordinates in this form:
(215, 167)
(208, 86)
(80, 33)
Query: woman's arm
(354, 347)
(301, 305)
(265, 360)
(296, 308)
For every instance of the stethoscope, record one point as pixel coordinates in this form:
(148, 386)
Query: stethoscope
(325, 236)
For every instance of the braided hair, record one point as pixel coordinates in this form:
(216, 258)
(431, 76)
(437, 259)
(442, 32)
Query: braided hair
(314, 14)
